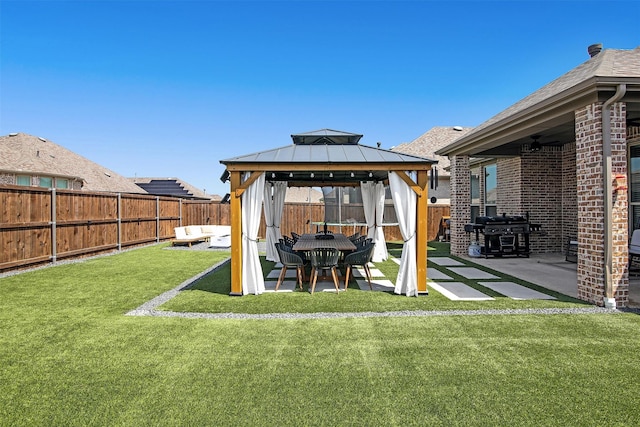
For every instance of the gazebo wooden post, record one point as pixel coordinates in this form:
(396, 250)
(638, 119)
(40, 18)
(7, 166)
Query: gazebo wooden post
(422, 213)
(236, 234)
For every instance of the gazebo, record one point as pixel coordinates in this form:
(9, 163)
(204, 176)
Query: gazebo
(327, 158)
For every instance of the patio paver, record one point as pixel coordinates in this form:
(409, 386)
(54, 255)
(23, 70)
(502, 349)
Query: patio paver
(515, 291)
(285, 286)
(359, 272)
(377, 285)
(435, 274)
(445, 261)
(472, 273)
(458, 291)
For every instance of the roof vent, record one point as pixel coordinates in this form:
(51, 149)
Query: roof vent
(594, 49)
(13, 134)
(458, 128)
(42, 139)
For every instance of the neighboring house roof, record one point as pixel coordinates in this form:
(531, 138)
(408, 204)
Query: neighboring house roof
(28, 154)
(426, 145)
(551, 108)
(172, 187)
(303, 195)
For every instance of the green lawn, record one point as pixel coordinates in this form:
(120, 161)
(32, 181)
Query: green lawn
(69, 356)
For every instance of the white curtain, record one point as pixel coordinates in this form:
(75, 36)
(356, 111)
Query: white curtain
(274, 193)
(373, 203)
(252, 278)
(404, 201)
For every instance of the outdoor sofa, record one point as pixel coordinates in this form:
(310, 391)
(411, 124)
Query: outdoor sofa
(218, 236)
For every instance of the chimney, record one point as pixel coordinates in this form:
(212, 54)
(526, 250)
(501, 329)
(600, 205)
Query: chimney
(594, 49)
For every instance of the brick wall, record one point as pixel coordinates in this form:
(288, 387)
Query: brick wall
(460, 206)
(542, 196)
(591, 201)
(569, 196)
(509, 174)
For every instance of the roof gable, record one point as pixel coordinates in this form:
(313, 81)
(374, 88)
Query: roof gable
(608, 63)
(602, 71)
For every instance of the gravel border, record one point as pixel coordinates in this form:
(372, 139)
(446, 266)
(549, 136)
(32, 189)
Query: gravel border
(417, 313)
(149, 309)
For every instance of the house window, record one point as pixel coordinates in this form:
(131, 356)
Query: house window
(46, 182)
(62, 183)
(475, 194)
(634, 186)
(490, 190)
(23, 180)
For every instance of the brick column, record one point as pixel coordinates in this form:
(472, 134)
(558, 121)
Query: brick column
(591, 201)
(460, 204)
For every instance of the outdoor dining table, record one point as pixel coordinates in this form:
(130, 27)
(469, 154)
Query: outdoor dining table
(309, 242)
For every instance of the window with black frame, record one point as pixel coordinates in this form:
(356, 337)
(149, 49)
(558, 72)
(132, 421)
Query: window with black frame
(475, 194)
(490, 190)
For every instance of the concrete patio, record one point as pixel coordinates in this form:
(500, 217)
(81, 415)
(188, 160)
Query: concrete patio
(551, 271)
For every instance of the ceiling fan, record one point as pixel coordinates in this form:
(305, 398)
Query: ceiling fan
(537, 145)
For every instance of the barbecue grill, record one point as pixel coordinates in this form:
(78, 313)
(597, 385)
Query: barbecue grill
(503, 235)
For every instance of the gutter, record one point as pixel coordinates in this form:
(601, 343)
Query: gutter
(621, 90)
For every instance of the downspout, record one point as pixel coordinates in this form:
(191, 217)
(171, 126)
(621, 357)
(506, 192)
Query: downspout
(609, 300)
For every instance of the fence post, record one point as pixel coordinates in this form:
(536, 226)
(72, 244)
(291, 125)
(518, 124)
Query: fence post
(157, 219)
(54, 231)
(119, 222)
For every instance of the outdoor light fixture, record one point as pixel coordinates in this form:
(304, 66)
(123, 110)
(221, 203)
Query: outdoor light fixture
(370, 174)
(311, 175)
(330, 174)
(226, 198)
(290, 174)
(225, 176)
(273, 174)
(352, 174)
(535, 145)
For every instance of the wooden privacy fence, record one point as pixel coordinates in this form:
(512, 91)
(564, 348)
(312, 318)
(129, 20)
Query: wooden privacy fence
(43, 225)
(39, 225)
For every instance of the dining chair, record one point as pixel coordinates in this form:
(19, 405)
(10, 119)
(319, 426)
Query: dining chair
(324, 259)
(362, 258)
(290, 260)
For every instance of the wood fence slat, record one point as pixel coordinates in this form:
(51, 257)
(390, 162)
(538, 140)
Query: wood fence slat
(87, 223)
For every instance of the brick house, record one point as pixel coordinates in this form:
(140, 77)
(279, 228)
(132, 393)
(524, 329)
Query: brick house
(569, 156)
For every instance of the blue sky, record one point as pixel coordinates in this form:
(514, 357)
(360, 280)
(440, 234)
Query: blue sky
(169, 88)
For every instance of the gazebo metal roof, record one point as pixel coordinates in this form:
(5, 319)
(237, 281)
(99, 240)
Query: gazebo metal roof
(327, 158)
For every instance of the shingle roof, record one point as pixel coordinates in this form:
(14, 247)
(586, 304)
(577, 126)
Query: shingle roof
(23, 153)
(610, 65)
(426, 145)
(170, 186)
